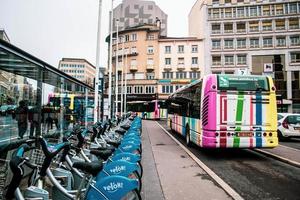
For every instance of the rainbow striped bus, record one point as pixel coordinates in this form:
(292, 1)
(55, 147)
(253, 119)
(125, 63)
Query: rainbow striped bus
(225, 111)
(155, 109)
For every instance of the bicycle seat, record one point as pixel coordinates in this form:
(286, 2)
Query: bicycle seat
(125, 126)
(114, 143)
(103, 154)
(120, 131)
(92, 168)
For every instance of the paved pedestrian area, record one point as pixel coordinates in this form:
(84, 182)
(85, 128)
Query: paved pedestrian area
(169, 172)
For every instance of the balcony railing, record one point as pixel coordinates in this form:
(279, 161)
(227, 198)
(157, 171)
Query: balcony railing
(150, 67)
(133, 68)
(180, 66)
(167, 67)
(195, 66)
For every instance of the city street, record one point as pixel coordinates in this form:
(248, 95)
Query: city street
(251, 174)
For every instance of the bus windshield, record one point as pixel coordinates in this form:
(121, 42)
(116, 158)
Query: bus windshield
(243, 83)
(141, 106)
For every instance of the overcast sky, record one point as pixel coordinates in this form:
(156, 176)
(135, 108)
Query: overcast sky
(52, 29)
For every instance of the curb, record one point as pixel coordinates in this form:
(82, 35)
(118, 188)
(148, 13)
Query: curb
(276, 157)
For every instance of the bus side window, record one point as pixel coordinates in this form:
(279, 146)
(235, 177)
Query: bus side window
(196, 102)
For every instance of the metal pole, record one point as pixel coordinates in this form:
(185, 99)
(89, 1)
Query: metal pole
(110, 61)
(117, 66)
(86, 108)
(125, 101)
(122, 77)
(96, 108)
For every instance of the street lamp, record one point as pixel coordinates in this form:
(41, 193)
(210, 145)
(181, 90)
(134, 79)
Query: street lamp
(122, 77)
(110, 62)
(96, 108)
(117, 66)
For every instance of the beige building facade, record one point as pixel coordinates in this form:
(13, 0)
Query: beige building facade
(250, 35)
(138, 57)
(181, 61)
(78, 68)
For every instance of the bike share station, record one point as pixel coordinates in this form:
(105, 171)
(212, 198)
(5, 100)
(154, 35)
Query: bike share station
(99, 161)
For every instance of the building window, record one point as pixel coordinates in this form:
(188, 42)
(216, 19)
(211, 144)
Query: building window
(241, 59)
(229, 60)
(194, 48)
(279, 9)
(293, 8)
(215, 1)
(126, 38)
(266, 10)
(138, 89)
(134, 37)
(267, 25)
(215, 28)
(194, 75)
(194, 60)
(150, 76)
(227, 1)
(149, 89)
(150, 37)
(215, 14)
(241, 43)
(267, 42)
(228, 43)
(295, 57)
(254, 43)
(150, 50)
(150, 61)
(228, 12)
(280, 42)
(240, 12)
(228, 28)
(216, 60)
(253, 11)
(293, 23)
(180, 49)
(280, 24)
(241, 27)
(216, 44)
(129, 90)
(167, 49)
(167, 89)
(133, 62)
(295, 40)
(167, 75)
(180, 75)
(254, 26)
(133, 50)
(180, 61)
(167, 61)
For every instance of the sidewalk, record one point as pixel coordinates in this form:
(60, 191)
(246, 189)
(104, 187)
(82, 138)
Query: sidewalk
(284, 153)
(169, 172)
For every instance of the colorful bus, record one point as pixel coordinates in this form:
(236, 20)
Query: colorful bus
(224, 111)
(155, 109)
(76, 103)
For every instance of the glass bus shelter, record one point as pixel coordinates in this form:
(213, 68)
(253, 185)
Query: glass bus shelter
(36, 98)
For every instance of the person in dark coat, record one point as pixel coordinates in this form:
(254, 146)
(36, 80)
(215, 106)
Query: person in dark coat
(22, 118)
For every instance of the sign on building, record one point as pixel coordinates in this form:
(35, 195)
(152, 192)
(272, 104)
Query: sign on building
(242, 71)
(268, 67)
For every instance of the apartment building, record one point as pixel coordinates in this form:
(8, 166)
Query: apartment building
(180, 63)
(78, 68)
(252, 34)
(138, 52)
(136, 12)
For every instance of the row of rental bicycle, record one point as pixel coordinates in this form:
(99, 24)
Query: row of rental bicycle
(99, 162)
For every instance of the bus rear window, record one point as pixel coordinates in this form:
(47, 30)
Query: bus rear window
(243, 83)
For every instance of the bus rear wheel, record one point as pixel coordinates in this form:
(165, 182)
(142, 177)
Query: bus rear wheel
(187, 136)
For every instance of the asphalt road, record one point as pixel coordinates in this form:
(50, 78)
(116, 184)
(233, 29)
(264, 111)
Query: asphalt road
(252, 175)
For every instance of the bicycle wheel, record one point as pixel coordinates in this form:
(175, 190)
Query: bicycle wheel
(135, 175)
(132, 195)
